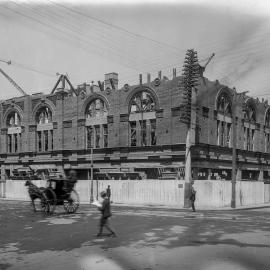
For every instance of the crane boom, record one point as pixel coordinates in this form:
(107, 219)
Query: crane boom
(202, 68)
(209, 59)
(13, 83)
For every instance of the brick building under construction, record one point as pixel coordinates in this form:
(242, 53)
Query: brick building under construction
(134, 131)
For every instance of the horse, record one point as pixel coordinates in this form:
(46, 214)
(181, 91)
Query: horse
(34, 192)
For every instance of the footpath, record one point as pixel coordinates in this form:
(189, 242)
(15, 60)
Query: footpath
(174, 207)
(198, 208)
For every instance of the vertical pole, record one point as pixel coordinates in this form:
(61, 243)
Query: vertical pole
(97, 190)
(63, 82)
(188, 177)
(233, 203)
(140, 79)
(190, 141)
(91, 189)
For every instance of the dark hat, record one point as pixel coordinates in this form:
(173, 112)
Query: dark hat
(103, 193)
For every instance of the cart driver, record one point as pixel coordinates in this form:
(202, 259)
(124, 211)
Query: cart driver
(71, 181)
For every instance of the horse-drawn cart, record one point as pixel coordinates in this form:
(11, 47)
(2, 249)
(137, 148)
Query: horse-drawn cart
(57, 192)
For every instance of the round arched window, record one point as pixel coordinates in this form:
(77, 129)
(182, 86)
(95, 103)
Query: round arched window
(96, 108)
(249, 113)
(267, 118)
(44, 116)
(142, 102)
(224, 105)
(13, 120)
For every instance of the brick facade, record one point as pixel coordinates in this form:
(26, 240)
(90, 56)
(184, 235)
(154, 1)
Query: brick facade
(67, 146)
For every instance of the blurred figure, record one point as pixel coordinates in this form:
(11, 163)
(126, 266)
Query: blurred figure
(72, 175)
(106, 213)
(72, 180)
(193, 198)
(108, 191)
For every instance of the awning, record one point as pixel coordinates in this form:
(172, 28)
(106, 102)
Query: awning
(152, 165)
(42, 166)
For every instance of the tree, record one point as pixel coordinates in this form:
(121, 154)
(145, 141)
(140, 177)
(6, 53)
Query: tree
(189, 80)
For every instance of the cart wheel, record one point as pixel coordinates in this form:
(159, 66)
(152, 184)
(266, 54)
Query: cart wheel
(72, 203)
(49, 201)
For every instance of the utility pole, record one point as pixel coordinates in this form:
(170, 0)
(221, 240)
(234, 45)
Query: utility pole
(188, 83)
(234, 137)
(234, 145)
(92, 178)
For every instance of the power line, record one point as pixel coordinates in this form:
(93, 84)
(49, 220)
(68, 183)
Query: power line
(233, 57)
(149, 63)
(66, 34)
(115, 26)
(77, 31)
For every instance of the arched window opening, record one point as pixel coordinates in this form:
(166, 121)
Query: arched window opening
(14, 131)
(142, 102)
(97, 108)
(13, 120)
(96, 125)
(44, 116)
(44, 133)
(249, 126)
(224, 120)
(142, 120)
(267, 131)
(249, 114)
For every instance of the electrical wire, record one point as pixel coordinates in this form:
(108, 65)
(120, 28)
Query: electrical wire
(234, 57)
(229, 56)
(66, 34)
(115, 26)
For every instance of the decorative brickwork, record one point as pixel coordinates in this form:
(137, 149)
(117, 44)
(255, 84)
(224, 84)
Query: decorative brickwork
(20, 104)
(67, 124)
(110, 119)
(35, 102)
(53, 99)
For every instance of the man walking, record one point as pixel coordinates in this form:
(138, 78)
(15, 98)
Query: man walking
(108, 191)
(105, 210)
(193, 198)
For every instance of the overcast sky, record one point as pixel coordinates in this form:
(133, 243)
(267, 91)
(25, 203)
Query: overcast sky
(90, 39)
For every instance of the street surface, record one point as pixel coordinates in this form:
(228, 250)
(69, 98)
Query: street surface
(148, 239)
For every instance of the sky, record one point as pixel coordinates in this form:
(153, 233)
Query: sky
(86, 39)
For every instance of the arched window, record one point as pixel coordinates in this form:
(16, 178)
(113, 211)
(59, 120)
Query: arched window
(142, 119)
(249, 113)
(44, 133)
(142, 102)
(97, 108)
(224, 120)
(13, 120)
(14, 141)
(267, 131)
(96, 126)
(44, 116)
(249, 125)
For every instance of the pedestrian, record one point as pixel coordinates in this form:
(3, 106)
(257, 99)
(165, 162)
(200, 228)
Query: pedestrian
(108, 191)
(106, 213)
(192, 198)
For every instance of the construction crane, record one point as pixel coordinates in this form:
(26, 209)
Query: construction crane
(202, 68)
(11, 80)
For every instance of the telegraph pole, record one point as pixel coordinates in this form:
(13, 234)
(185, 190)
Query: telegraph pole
(234, 134)
(187, 85)
(234, 145)
(92, 177)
